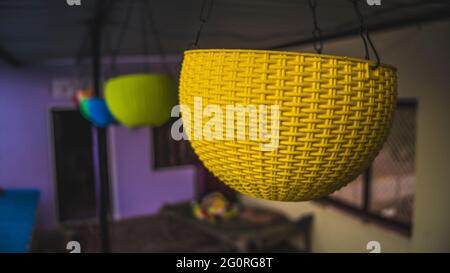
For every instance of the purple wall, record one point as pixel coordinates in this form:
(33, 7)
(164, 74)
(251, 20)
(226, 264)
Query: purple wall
(138, 188)
(24, 136)
(26, 159)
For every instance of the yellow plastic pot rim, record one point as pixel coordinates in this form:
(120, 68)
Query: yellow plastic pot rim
(150, 75)
(293, 53)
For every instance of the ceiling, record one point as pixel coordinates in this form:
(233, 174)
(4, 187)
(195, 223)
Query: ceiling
(37, 30)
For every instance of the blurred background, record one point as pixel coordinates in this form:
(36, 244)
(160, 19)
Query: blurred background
(117, 189)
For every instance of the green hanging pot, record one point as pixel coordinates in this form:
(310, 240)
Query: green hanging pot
(141, 99)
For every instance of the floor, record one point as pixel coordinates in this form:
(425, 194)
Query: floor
(143, 234)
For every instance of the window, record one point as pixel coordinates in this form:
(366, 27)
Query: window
(169, 152)
(385, 192)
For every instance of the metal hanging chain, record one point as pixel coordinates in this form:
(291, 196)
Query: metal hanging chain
(205, 13)
(317, 33)
(364, 33)
(362, 28)
(123, 30)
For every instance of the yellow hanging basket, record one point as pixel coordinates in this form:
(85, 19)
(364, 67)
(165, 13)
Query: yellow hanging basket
(334, 116)
(141, 99)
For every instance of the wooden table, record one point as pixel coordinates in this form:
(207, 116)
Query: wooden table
(244, 235)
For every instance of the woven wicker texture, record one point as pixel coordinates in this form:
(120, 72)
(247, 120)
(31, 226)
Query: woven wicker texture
(335, 114)
(141, 99)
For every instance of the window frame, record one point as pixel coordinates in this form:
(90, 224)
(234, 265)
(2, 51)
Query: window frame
(364, 212)
(160, 160)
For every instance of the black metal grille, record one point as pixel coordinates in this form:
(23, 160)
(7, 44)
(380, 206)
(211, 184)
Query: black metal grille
(393, 171)
(386, 191)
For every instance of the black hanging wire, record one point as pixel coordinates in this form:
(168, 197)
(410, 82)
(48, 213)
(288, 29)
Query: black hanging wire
(116, 50)
(155, 33)
(205, 13)
(83, 68)
(317, 32)
(144, 38)
(109, 52)
(364, 33)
